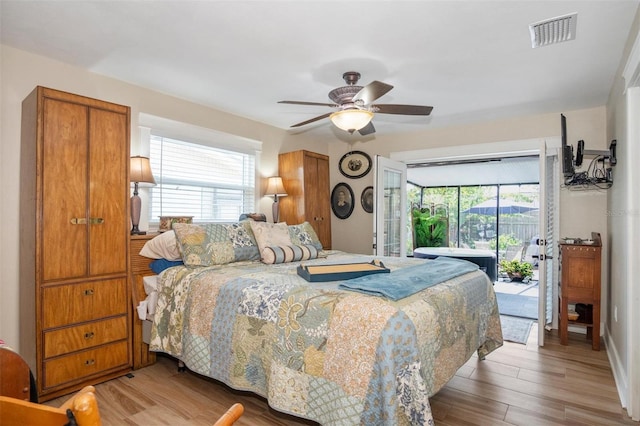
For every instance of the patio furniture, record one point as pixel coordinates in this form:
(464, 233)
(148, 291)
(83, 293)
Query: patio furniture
(485, 259)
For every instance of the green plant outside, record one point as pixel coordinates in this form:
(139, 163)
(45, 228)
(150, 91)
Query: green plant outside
(504, 241)
(429, 231)
(516, 268)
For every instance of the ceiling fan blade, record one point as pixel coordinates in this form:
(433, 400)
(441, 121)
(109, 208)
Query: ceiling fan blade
(320, 117)
(372, 91)
(403, 109)
(307, 103)
(367, 130)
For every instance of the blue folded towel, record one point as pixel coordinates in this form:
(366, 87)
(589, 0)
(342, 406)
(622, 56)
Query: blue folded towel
(407, 281)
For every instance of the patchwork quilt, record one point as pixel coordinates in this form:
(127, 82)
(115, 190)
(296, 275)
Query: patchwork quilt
(319, 351)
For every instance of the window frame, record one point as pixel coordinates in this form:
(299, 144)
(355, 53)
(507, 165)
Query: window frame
(157, 126)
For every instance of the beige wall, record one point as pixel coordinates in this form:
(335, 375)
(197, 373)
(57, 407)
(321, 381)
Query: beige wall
(20, 72)
(623, 335)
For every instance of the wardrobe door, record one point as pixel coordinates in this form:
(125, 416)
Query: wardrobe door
(318, 197)
(305, 176)
(107, 200)
(64, 190)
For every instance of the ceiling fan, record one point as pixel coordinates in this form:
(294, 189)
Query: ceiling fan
(355, 107)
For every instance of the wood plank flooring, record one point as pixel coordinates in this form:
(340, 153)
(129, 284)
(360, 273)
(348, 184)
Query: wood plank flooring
(515, 385)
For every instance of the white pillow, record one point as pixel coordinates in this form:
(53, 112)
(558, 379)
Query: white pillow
(164, 246)
(270, 234)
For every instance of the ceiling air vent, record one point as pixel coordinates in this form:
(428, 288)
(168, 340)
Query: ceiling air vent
(554, 30)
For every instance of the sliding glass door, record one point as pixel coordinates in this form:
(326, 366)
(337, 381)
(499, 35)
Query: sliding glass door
(500, 218)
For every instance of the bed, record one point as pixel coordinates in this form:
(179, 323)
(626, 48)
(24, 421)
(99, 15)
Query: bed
(320, 350)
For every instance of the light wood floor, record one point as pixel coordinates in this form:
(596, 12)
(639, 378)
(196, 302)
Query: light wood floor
(515, 385)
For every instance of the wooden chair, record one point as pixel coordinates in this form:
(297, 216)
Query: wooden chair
(83, 406)
(15, 378)
(231, 415)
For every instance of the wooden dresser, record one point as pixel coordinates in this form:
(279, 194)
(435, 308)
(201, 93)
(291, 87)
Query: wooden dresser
(580, 284)
(305, 176)
(75, 306)
(140, 269)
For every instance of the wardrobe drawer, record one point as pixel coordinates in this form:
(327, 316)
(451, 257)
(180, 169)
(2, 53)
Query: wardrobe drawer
(80, 302)
(84, 336)
(83, 364)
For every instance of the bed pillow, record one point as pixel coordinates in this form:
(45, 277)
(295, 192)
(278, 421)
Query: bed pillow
(288, 253)
(164, 246)
(216, 243)
(160, 265)
(270, 234)
(304, 234)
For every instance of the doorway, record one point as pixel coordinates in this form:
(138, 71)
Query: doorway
(542, 160)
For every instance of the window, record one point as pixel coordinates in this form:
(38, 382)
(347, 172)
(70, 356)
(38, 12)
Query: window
(211, 184)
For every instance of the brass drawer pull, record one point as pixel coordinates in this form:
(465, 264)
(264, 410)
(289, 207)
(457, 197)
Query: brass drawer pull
(89, 362)
(88, 292)
(89, 335)
(83, 220)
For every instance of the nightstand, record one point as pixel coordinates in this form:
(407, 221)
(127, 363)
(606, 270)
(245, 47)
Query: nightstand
(580, 283)
(139, 268)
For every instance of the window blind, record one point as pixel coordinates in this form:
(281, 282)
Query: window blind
(210, 184)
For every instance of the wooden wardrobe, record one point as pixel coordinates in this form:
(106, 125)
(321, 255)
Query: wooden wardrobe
(305, 176)
(75, 297)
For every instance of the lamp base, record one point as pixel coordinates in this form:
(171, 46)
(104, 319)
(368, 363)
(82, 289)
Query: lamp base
(136, 204)
(136, 231)
(275, 211)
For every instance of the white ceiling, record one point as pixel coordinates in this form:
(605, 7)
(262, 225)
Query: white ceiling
(470, 60)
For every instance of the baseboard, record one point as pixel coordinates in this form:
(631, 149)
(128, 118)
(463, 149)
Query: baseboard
(619, 375)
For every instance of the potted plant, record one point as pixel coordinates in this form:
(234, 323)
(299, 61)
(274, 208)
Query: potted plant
(429, 229)
(516, 270)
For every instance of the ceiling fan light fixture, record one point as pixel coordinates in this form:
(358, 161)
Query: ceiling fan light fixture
(351, 120)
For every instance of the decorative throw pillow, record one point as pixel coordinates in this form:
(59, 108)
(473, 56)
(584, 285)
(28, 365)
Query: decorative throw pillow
(304, 234)
(215, 243)
(270, 234)
(244, 243)
(289, 253)
(164, 246)
(160, 265)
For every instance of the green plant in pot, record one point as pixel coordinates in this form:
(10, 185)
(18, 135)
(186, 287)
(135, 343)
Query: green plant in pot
(516, 270)
(429, 230)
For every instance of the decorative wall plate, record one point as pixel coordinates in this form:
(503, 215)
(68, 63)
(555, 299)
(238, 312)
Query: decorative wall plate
(355, 164)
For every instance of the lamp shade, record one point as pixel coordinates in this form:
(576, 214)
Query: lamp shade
(140, 170)
(275, 187)
(351, 120)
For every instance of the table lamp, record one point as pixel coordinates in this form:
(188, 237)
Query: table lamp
(139, 172)
(275, 188)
